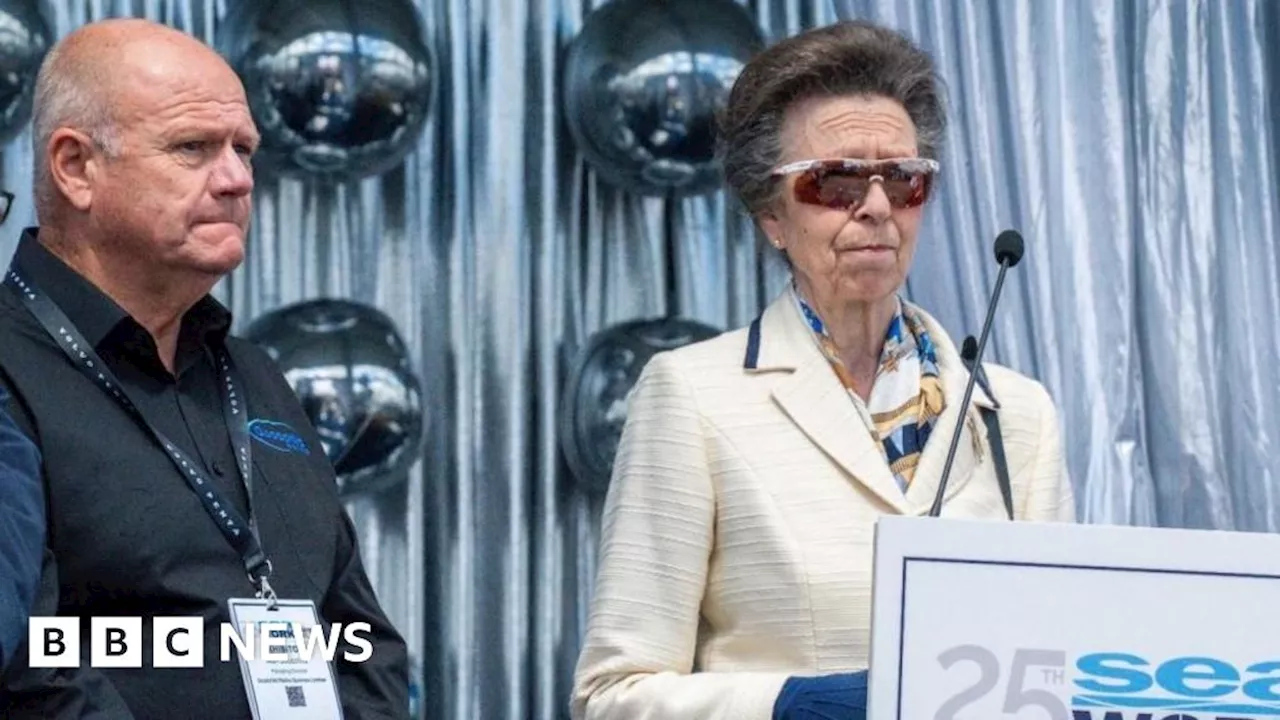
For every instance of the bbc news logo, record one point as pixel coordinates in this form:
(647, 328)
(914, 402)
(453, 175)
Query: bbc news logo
(179, 642)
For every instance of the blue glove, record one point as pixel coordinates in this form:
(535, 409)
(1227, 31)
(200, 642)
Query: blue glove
(826, 697)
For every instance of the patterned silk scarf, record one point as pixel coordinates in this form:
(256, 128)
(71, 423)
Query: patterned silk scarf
(906, 397)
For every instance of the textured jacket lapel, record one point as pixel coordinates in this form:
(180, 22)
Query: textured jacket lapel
(812, 397)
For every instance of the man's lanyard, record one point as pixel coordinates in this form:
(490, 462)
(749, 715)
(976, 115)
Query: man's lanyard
(242, 536)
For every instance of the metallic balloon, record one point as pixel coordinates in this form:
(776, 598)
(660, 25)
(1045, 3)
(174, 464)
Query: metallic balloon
(339, 89)
(348, 365)
(25, 38)
(643, 83)
(593, 409)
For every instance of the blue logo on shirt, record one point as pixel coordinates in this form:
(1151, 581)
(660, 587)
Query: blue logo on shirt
(278, 436)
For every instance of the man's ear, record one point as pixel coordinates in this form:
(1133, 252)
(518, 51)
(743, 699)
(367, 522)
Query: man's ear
(73, 166)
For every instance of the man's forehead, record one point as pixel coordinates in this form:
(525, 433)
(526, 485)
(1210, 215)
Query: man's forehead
(160, 92)
(191, 108)
(165, 66)
(198, 124)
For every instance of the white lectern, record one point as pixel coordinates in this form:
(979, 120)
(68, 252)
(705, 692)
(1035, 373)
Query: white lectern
(977, 620)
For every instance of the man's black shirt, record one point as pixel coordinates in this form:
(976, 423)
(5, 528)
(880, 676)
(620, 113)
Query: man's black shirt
(128, 537)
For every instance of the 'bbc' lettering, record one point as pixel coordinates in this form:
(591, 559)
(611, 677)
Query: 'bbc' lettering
(179, 642)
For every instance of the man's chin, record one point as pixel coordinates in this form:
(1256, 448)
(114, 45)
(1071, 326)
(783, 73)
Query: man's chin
(218, 259)
(220, 269)
(224, 263)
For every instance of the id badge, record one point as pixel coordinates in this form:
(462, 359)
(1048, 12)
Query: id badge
(286, 673)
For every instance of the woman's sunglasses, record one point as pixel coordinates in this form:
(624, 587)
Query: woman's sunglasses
(843, 183)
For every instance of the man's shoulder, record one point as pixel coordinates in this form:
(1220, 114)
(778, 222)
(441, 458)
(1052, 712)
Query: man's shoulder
(260, 372)
(254, 359)
(246, 351)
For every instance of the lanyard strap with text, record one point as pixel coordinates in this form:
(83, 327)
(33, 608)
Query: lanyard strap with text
(242, 536)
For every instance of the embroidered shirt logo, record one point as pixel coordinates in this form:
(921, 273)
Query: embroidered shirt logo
(278, 436)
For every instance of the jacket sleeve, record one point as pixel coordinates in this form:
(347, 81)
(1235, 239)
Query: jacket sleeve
(22, 534)
(28, 693)
(657, 535)
(81, 693)
(1050, 497)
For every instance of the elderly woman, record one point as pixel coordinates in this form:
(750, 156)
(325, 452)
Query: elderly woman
(735, 574)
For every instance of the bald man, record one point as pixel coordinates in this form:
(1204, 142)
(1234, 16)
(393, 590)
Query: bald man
(182, 476)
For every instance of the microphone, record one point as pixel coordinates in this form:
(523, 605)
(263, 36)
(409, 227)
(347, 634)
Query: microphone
(969, 353)
(1008, 251)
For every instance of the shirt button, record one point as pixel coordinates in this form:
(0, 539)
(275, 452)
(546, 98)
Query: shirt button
(217, 469)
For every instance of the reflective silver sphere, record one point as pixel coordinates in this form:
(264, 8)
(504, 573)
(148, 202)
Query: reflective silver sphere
(339, 89)
(348, 365)
(25, 38)
(643, 83)
(593, 409)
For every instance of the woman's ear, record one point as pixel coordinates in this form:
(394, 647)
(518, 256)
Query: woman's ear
(772, 227)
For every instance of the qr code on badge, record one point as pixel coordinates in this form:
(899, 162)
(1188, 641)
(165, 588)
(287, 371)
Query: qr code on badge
(296, 697)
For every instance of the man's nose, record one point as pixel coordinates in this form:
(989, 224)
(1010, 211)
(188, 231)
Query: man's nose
(233, 173)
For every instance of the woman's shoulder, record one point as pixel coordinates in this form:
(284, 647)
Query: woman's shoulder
(707, 373)
(1019, 395)
(722, 352)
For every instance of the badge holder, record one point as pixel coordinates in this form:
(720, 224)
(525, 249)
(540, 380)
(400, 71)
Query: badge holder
(286, 675)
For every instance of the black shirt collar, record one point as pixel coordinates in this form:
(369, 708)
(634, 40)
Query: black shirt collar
(97, 316)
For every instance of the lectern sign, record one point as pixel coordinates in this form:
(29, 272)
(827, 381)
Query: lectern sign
(1023, 621)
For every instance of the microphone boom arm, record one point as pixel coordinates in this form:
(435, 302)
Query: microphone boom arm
(936, 510)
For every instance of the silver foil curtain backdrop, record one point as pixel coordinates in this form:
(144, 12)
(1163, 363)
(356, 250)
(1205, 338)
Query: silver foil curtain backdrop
(1129, 141)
